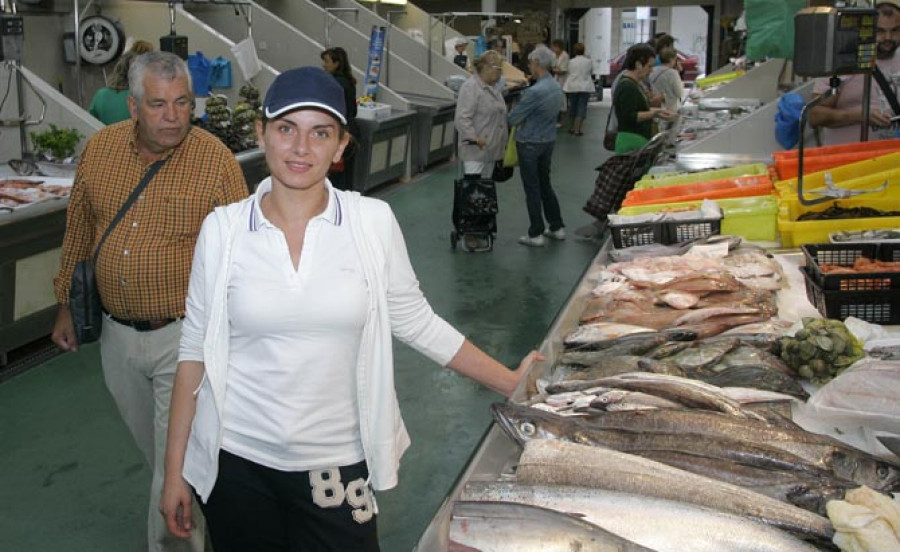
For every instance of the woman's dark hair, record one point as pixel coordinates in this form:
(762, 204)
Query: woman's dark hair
(642, 53)
(339, 55)
(578, 49)
(663, 40)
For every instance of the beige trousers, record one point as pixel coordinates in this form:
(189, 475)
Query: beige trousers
(139, 370)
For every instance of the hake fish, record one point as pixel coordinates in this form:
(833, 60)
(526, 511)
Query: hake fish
(601, 332)
(524, 424)
(675, 527)
(843, 461)
(636, 344)
(758, 376)
(506, 526)
(692, 393)
(807, 491)
(547, 462)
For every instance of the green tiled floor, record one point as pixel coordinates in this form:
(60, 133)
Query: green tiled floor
(71, 479)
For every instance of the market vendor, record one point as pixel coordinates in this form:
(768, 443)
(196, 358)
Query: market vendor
(839, 116)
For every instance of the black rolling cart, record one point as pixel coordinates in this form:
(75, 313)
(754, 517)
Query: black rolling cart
(474, 213)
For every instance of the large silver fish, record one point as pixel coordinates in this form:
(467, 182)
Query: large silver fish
(691, 393)
(548, 462)
(507, 526)
(600, 333)
(673, 527)
(842, 460)
(524, 424)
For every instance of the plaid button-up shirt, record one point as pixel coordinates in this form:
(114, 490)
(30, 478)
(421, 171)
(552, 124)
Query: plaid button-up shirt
(143, 269)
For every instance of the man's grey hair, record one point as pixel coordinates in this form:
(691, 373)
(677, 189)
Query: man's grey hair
(543, 56)
(159, 64)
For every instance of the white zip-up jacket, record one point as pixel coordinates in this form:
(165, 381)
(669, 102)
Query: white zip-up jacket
(396, 305)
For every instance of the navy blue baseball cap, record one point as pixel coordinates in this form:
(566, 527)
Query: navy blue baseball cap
(305, 87)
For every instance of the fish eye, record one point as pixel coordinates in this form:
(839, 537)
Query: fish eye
(882, 472)
(527, 429)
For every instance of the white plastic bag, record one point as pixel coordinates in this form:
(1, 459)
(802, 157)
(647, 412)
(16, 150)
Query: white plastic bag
(245, 54)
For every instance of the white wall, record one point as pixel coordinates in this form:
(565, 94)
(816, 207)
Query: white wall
(595, 31)
(689, 25)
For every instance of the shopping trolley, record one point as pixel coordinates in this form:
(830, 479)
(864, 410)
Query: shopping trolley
(474, 212)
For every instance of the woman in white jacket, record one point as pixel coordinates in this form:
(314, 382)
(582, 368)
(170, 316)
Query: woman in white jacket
(578, 88)
(284, 415)
(480, 118)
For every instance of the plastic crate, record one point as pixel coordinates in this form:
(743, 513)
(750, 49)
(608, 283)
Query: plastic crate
(702, 176)
(877, 307)
(741, 186)
(845, 254)
(867, 174)
(795, 233)
(752, 218)
(665, 232)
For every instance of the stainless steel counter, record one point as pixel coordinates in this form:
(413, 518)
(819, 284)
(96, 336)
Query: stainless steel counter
(497, 454)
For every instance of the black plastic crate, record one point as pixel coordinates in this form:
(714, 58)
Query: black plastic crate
(845, 254)
(629, 235)
(878, 306)
(682, 231)
(664, 232)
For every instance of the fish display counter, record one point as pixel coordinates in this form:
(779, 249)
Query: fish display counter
(32, 225)
(664, 413)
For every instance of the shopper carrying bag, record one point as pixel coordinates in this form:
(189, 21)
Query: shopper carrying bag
(84, 297)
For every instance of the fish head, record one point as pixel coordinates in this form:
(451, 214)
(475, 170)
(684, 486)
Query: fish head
(523, 423)
(871, 471)
(611, 396)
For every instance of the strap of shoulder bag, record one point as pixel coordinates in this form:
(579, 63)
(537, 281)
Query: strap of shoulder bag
(886, 90)
(148, 176)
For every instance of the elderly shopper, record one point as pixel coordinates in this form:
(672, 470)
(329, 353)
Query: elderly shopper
(535, 118)
(631, 103)
(665, 80)
(143, 269)
(481, 118)
(578, 88)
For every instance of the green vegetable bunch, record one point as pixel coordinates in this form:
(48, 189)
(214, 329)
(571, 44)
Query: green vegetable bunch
(821, 350)
(56, 143)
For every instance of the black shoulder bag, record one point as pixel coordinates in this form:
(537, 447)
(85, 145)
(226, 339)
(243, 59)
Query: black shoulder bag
(84, 297)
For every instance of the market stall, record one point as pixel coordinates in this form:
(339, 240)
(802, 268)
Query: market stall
(718, 385)
(496, 468)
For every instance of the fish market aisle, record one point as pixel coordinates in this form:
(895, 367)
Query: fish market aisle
(73, 480)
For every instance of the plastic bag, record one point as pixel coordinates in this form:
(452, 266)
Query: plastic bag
(245, 55)
(787, 119)
(220, 73)
(200, 67)
(511, 155)
(770, 27)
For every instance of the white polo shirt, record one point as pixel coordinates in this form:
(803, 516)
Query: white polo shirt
(291, 400)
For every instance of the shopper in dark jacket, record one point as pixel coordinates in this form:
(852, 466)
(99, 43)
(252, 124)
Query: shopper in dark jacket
(631, 104)
(335, 61)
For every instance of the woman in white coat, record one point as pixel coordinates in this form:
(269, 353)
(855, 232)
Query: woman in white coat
(284, 416)
(480, 118)
(578, 88)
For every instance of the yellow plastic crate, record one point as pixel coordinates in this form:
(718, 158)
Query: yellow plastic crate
(862, 174)
(703, 176)
(703, 82)
(752, 218)
(795, 233)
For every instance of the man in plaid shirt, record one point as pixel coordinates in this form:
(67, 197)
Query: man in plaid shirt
(143, 269)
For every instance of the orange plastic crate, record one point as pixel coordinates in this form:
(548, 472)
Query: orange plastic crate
(787, 168)
(742, 186)
(853, 147)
